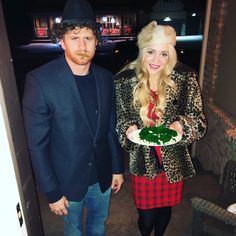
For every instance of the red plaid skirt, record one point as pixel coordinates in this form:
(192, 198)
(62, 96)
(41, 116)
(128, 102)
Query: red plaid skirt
(157, 192)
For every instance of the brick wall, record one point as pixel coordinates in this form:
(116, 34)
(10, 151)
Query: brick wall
(219, 143)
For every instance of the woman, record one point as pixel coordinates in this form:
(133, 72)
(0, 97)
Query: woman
(152, 91)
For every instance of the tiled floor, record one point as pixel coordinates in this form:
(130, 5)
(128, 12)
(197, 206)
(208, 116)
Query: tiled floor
(123, 216)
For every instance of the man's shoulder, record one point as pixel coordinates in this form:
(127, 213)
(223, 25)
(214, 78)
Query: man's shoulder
(49, 67)
(102, 70)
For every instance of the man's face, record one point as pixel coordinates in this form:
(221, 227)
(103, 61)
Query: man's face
(79, 45)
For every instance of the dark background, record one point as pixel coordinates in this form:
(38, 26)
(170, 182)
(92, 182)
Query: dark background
(18, 21)
(25, 58)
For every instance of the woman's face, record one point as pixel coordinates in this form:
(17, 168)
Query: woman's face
(155, 58)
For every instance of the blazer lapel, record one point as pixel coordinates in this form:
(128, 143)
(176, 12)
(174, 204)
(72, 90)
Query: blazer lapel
(100, 97)
(67, 79)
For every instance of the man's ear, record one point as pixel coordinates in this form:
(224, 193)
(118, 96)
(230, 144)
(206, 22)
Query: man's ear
(61, 42)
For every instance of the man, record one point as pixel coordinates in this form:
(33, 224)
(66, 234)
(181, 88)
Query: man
(70, 119)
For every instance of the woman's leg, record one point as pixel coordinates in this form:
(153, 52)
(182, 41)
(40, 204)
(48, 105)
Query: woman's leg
(163, 216)
(157, 218)
(146, 221)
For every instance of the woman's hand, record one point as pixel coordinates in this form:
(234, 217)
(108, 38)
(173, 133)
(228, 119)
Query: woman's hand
(177, 127)
(131, 129)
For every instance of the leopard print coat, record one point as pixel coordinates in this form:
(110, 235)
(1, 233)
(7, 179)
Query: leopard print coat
(183, 104)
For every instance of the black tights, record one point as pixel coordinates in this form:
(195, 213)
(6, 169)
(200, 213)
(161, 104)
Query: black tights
(157, 218)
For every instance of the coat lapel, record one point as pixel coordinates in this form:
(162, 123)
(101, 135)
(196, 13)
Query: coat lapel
(68, 81)
(100, 96)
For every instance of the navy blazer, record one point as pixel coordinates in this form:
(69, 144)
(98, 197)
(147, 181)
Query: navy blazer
(60, 140)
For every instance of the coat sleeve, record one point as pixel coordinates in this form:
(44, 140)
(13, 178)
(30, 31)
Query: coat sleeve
(37, 116)
(191, 114)
(117, 161)
(126, 116)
